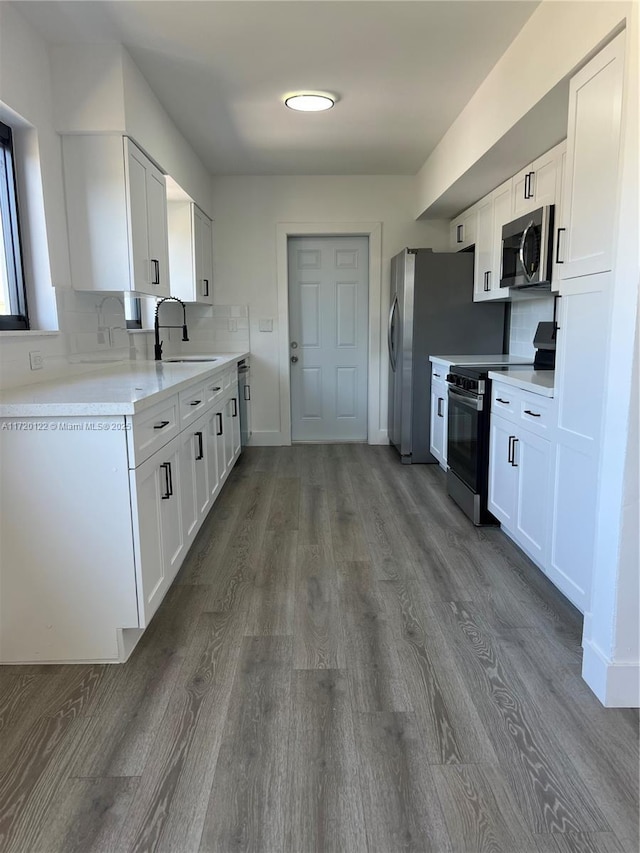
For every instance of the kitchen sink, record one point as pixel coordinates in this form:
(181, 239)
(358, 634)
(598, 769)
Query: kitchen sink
(189, 358)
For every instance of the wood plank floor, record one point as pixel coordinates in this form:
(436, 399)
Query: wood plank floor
(344, 664)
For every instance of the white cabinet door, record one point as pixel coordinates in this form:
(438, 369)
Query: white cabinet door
(537, 184)
(157, 526)
(203, 468)
(221, 430)
(532, 458)
(503, 476)
(173, 540)
(438, 438)
(502, 214)
(463, 230)
(483, 258)
(591, 178)
(232, 428)
(214, 437)
(559, 216)
(189, 449)
(157, 225)
(203, 256)
(139, 229)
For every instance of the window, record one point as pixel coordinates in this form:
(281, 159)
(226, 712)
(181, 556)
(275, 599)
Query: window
(13, 302)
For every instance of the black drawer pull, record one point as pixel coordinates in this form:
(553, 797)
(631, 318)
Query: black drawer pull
(167, 480)
(161, 425)
(533, 414)
(219, 416)
(200, 447)
(195, 402)
(437, 375)
(156, 273)
(235, 407)
(216, 388)
(500, 400)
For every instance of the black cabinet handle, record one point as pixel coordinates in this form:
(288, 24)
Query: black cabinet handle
(200, 447)
(437, 374)
(500, 400)
(440, 401)
(510, 450)
(533, 414)
(167, 480)
(216, 388)
(235, 407)
(247, 392)
(156, 274)
(487, 279)
(219, 416)
(195, 402)
(459, 233)
(525, 193)
(205, 282)
(161, 425)
(558, 261)
(513, 451)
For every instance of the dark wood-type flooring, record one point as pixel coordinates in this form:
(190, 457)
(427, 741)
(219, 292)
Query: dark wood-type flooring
(344, 663)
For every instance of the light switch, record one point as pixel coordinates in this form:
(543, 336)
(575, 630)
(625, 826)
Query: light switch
(265, 324)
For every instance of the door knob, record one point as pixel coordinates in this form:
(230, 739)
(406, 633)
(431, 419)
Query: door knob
(294, 344)
(294, 359)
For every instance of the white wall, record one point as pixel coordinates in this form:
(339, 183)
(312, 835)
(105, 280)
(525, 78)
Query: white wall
(45, 90)
(246, 213)
(553, 42)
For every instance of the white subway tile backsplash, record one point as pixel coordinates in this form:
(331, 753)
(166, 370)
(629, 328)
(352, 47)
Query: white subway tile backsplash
(525, 316)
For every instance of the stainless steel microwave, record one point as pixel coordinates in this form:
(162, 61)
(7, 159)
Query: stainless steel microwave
(527, 250)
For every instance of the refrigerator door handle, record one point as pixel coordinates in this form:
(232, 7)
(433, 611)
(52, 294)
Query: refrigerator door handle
(392, 358)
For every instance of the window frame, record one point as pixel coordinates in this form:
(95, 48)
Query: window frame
(19, 318)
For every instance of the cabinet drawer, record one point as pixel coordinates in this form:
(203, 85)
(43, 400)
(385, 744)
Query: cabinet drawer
(537, 413)
(230, 377)
(193, 402)
(214, 389)
(151, 430)
(505, 401)
(438, 373)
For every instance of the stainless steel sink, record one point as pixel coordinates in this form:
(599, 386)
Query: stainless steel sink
(188, 358)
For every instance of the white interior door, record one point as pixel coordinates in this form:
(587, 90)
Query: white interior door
(328, 325)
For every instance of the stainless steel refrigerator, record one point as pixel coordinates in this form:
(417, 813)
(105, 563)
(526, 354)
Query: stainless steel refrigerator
(432, 312)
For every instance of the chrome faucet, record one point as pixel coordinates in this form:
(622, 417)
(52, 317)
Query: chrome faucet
(157, 326)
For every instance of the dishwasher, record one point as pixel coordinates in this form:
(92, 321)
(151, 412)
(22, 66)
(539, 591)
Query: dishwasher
(244, 395)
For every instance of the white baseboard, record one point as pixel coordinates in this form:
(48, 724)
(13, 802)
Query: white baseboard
(267, 438)
(378, 436)
(617, 685)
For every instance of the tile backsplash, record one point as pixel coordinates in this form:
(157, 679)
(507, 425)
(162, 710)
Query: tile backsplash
(93, 332)
(525, 316)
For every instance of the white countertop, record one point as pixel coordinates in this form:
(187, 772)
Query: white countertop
(123, 389)
(536, 381)
(470, 360)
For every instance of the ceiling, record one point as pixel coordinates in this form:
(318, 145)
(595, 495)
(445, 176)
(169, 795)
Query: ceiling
(403, 72)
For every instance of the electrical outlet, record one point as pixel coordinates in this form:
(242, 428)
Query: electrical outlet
(265, 324)
(35, 360)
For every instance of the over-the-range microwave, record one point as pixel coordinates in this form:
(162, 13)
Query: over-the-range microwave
(527, 250)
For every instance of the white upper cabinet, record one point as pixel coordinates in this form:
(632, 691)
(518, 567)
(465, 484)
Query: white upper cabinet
(586, 239)
(116, 211)
(463, 230)
(537, 184)
(493, 212)
(190, 252)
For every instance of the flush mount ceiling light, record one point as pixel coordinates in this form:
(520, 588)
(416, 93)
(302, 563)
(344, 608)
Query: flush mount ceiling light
(310, 102)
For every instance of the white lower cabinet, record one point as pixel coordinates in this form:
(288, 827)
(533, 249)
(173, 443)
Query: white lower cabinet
(159, 536)
(119, 500)
(438, 432)
(521, 460)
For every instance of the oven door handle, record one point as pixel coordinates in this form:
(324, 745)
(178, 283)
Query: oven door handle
(470, 401)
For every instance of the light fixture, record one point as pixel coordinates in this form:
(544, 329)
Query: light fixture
(310, 102)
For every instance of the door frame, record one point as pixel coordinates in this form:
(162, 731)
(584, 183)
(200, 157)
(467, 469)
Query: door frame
(372, 230)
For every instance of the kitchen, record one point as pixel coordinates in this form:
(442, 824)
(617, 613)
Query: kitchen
(252, 210)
